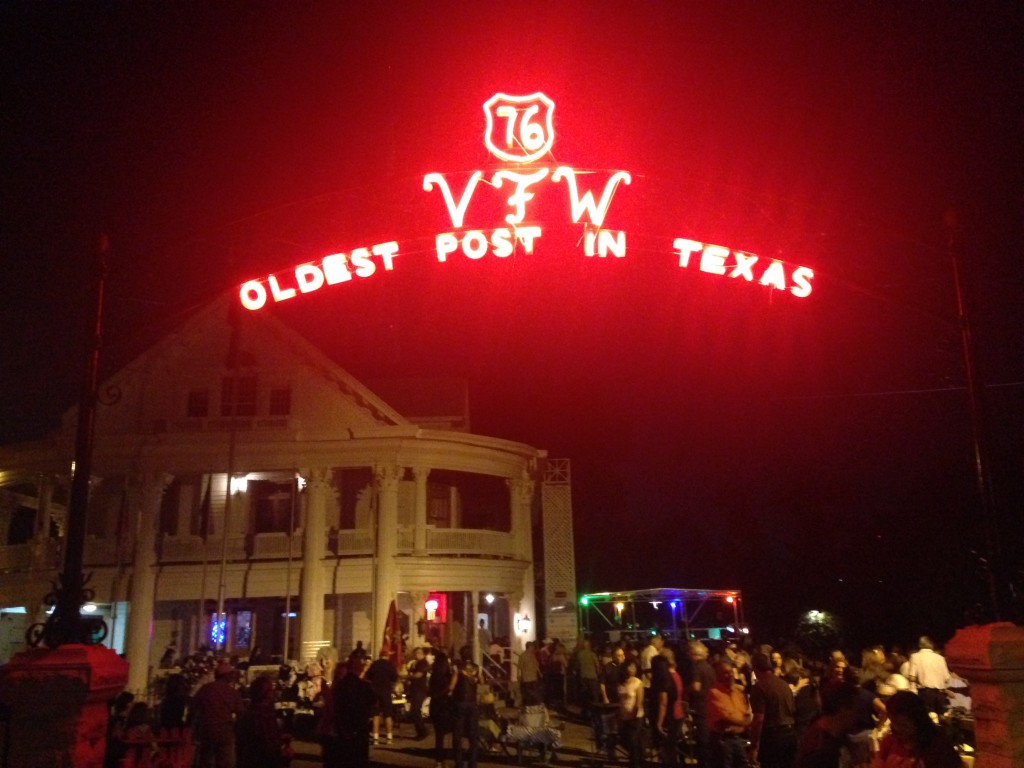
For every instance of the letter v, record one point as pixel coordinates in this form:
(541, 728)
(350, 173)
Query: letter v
(457, 212)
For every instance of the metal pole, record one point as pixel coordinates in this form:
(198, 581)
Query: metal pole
(288, 571)
(232, 361)
(222, 585)
(65, 624)
(981, 477)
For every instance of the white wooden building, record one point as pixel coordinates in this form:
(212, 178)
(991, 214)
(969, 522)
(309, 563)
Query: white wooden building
(236, 465)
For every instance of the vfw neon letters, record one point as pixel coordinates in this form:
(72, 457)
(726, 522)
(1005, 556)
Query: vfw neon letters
(520, 129)
(519, 132)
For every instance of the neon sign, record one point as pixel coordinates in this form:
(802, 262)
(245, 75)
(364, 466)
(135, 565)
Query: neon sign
(520, 130)
(525, 139)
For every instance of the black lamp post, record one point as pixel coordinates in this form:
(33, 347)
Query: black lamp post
(66, 624)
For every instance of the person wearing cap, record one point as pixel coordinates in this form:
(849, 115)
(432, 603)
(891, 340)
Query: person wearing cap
(218, 706)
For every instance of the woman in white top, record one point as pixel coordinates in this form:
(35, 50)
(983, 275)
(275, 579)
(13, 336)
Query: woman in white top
(631, 713)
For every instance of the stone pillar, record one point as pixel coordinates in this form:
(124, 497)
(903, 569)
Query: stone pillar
(314, 547)
(419, 540)
(385, 577)
(144, 495)
(991, 658)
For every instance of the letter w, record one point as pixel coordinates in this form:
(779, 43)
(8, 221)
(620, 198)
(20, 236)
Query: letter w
(595, 213)
(457, 212)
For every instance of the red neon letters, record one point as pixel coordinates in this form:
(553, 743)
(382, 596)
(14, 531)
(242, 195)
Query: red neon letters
(331, 270)
(520, 130)
(714, 259)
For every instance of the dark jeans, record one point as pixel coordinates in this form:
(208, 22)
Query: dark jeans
(441, 717)
(702, 736)
(219, 753)
(778, 747)
(416, 699)
(631, 737)
(467, 725)
(728, 751)
(933, 698)
(533, 692)
(668, 744)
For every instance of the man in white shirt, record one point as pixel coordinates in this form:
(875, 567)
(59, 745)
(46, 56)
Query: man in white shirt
(652, 649)
(927, 671)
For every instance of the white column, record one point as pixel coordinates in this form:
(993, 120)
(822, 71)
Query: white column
(520, 504)
(144, 495)
(521, 501)
(41, 535)
(386, 477)
(314, 546)
(185, 504)
(42, 526)
(478, 654)
(419, 542)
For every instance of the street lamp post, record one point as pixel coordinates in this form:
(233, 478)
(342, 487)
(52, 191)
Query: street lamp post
(982, 480)
(66, 624)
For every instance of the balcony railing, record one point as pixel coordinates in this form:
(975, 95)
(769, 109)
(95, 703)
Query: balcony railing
(40, 555)
(469, 541)
(194, 549)
(352, 542)
(267, 546)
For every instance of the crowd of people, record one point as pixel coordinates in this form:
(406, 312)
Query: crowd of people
(717, 705)
(727, 706)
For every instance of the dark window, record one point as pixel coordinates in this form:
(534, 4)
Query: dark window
(198, 403)
(281, 402)
(238, 396)
(354, 483)
(439, 511)
(23, 525)
(272, 506)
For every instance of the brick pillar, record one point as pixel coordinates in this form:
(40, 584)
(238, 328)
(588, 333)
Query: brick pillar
(991, 658)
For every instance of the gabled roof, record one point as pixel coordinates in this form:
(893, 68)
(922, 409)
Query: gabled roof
(222, 329)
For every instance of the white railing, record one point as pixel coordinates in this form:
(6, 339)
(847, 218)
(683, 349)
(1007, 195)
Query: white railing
(355, 541)
(192, 549)
(405, 539)
(16, 557)
(33, 555)
(276, 545)
(467, 541)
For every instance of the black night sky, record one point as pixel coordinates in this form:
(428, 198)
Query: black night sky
(815, 453)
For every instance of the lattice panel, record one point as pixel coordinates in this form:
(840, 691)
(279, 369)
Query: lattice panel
(559, 556)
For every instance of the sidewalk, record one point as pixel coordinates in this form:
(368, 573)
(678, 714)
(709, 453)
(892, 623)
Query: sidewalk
(577, 750)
